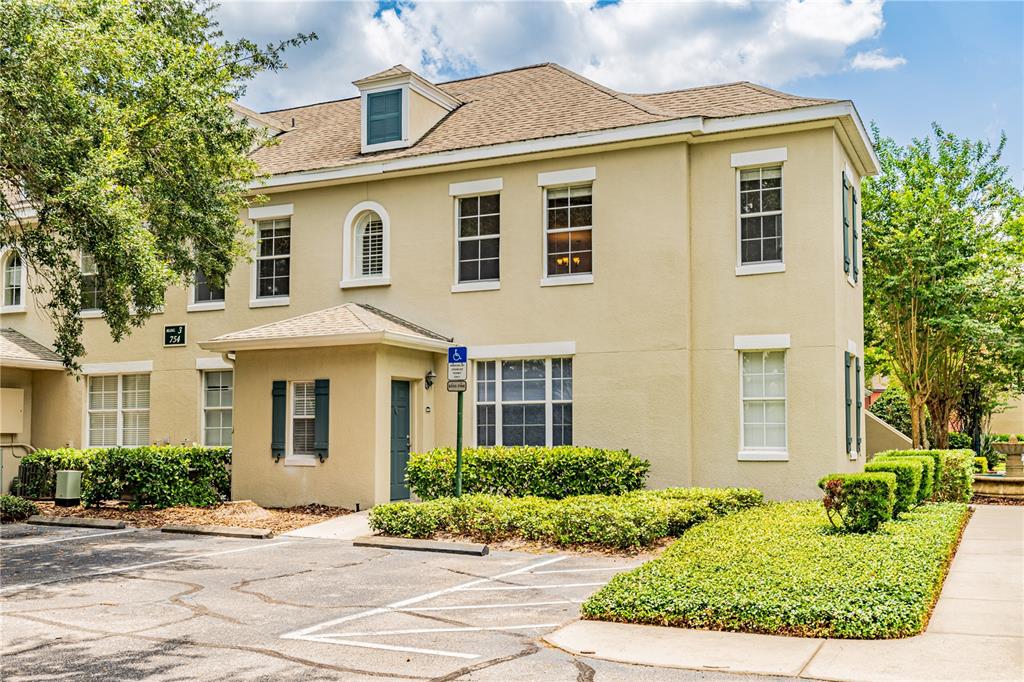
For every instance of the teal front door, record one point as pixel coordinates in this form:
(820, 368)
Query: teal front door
(399, 439)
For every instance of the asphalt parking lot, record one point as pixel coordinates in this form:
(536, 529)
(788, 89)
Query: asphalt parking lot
(88, 604)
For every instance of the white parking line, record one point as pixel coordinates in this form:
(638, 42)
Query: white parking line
(585, 570)
(326, 639)
(134, 567)
(493, 606)
(73, 537)
(420, 631)
(529, 587)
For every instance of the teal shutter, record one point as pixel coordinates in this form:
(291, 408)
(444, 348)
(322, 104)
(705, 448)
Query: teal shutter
(321, 417)
(849, 403)
(860, 401)
(846, 224)
(856, 237)
(279, 411)
(383, 117)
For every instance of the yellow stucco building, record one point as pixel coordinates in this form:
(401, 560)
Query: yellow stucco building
(677, 274)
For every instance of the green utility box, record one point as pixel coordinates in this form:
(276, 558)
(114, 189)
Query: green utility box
(69, 489)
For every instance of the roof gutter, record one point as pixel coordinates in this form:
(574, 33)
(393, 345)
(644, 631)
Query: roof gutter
(24, 363)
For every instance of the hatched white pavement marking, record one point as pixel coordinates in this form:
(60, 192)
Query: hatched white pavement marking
(585, 570)
(400, 606)
(529, 587)
(31, 543)
(467, 628)
(492, 606)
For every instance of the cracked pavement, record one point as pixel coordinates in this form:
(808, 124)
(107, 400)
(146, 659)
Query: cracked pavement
(142, 605)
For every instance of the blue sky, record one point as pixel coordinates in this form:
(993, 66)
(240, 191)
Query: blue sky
(904, 64)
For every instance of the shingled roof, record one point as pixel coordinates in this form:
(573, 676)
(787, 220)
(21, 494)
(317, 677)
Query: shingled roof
(18, 350)
(347, 324)
(529, 103)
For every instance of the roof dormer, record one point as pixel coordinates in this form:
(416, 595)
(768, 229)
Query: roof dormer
(398, 107)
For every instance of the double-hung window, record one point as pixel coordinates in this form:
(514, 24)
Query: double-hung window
(14, 282)
(568, 227)
(524, 402)
(302, 418)
(92, 291)
(218, 400)
(204, 292)
(479, 223)
(760, 200)
(118, 410)
(763, 396)
(273, 258)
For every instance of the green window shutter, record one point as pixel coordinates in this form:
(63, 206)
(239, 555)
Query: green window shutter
(860, 400)
(849, 403)
(856, 238)
(321, 417)
(279, 397)
(846, 224)
(383, 117)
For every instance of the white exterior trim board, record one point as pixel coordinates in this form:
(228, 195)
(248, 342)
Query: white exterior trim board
(759, 157)
(275, 211)
(462, 189)
(523, 350)
(761, 342)
(130, 367)
(214, 363)
(567, 177)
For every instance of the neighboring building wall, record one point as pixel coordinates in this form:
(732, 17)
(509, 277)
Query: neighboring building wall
(1011, 420)
(880, 436)
(20, 379)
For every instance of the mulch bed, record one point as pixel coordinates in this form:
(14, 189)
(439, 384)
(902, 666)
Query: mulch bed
(1008, 501)
(243, 514)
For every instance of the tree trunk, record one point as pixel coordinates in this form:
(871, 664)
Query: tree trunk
(916, 422)
(941, 410)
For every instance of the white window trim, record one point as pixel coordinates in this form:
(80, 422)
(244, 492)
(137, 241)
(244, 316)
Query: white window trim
(759, 157)
(90, 314)
(130, 367)
(464, 189)
(763, 454)
(290, 458)
(567, 177)
(404, 141)
(205, 305)
(22, 283)
(549, 403)
(119, 410)
(349, 280)
(770, 266)
(761, 342)
(202, 400)
(275, 211)
(564, 280)
(485, 285)
(256, 301)
(215, 363)
(521, 351)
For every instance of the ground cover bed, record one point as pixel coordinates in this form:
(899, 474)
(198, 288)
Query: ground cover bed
(241, 514)
(781, 569)
(630, 521)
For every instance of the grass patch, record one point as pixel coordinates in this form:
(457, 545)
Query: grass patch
(781, 569)
(629, 521)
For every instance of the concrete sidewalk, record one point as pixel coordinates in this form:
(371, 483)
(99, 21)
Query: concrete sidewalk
(976, 631)
(347, 527)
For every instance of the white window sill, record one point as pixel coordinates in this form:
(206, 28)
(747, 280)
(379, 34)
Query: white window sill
(476, 286)
(8, 309)
(364, 282)
(759, 268)
(763, 456)
(269, 302)
(300, 461)
(384, 146)
(566, 280)
(90, 314)
(205, 305)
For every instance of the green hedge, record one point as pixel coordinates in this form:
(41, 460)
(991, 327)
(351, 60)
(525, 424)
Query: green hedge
(859, 503)
(908, 473)
(960, 441)
(936, 456)
(954, 472)
(980, 465)
(13, 508)
(527, 471)
(163, 476)
(777, 569)
(925, 490)
(636, 519)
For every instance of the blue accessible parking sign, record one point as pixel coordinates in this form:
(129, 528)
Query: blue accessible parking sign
(457, 355)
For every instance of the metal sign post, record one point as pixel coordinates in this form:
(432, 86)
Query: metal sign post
(458, 363)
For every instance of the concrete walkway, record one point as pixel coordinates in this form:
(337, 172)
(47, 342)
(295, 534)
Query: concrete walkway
(976, 631)
(347, 527)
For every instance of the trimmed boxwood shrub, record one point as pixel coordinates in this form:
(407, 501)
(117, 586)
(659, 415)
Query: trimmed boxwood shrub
(936, 456)
(925, 490)
(637, 519)
(14, 508)
(960, 441)
(527, 471)
(957, 477)
(163, 476)
(859, 503)
(778, 569)
(908, 473)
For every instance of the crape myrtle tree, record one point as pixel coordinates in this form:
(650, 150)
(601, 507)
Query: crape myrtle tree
(117, 139)
(944, 272)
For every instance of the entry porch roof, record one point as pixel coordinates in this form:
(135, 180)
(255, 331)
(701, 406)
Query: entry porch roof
(344, 325)
(18, 350)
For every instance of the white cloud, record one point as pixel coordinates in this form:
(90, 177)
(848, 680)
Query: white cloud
(635, 46)
(875, 60)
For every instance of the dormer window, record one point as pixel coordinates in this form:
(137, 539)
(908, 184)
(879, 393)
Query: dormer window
(383, 117)
(398, 108)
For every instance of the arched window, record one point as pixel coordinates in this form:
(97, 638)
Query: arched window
(366, 261)
(13, 282)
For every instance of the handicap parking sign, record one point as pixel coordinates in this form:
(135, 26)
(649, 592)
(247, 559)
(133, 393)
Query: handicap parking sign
(457, 355)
